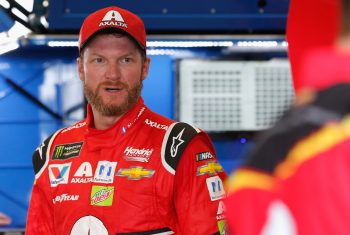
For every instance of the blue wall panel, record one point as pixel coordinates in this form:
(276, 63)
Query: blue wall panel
(158, 90)
(181, 15)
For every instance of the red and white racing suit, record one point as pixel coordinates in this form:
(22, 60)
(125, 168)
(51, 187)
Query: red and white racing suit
(145, 175)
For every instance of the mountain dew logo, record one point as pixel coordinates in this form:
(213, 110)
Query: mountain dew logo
(102, 195)
(222, 227)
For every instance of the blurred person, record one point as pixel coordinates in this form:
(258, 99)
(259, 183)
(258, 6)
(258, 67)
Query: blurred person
(4, 219)
(124, 169)
(295, 180)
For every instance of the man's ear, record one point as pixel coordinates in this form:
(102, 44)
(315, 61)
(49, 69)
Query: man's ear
(80, 68)
(145, 68)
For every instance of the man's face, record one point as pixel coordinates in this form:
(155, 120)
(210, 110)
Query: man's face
(112, 70)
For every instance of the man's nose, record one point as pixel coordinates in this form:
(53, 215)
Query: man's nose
(113, 71)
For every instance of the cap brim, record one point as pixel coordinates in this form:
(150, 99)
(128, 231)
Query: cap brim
(109, 30)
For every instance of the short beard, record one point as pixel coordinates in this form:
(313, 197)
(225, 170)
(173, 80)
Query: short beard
(111, 109)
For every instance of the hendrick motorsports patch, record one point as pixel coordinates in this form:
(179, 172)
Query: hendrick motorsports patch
(65, 151)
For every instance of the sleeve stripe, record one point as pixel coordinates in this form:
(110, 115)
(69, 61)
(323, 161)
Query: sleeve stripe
(47, 155)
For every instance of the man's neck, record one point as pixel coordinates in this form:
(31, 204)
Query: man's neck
(102, 122)
(343, 43)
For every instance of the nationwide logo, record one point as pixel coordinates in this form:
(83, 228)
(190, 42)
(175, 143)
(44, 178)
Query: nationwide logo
(65, 151)
(135, 173)
(104, 172)
(65, 197)
(113, 18)
(211, 168)
(156, 125)
(140, 155)
(204, 156)
(215, 188)
(59, 173)
(102, 195)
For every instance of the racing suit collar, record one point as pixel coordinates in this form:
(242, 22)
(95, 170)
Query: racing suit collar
(107, 138)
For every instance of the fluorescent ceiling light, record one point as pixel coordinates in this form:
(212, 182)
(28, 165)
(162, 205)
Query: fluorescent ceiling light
(5, 4)
(62, 43)
(19, 14)
(257, 43)
(188, 44)
(8, 47)
(26, 4)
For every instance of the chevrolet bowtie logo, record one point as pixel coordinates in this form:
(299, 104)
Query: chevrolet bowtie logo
(135, 173)
(211, 168)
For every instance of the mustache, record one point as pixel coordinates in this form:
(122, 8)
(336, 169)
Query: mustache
(113, 83)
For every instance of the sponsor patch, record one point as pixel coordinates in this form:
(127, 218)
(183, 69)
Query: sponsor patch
(135, 173)
(220, 213)
(177, 141)
(222, 227)
(83, 174)
(65, 151)
(78, 125)
(215, 188)
(59, 173)
(210, 168)
(113, 18)
(105, 172)
(101, 195)
(204, 156)
(65, 197)
(156, 125)
(124, 129)
(140, 155)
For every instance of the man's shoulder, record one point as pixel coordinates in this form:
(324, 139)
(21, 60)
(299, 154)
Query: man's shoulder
(76, 127)
(158, 121)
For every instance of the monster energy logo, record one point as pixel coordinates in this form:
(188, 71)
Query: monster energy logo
(65, 151)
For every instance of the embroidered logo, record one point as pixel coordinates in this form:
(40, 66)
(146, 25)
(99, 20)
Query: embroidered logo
(140, 155)
(211, 168)
(102, 195)
(65, 151)
(113, 18)
(135, 173)
(177, 141)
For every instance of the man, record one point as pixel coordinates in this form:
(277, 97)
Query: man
(4, 219)
(295, 180)
(124, 169)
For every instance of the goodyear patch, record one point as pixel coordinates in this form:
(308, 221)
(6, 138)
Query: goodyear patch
(135, 173)
(101, 195)
(204, 156)
(65, 151)
(210, 168)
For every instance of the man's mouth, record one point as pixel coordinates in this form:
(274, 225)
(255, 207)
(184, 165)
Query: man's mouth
(113, 89)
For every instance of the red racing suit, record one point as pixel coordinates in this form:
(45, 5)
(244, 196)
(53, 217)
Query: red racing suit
(145, 175)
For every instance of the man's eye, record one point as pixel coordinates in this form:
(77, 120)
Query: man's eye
(98, 60)
(126, 60)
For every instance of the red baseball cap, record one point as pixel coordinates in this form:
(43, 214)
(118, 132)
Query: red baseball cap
(113, 18)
